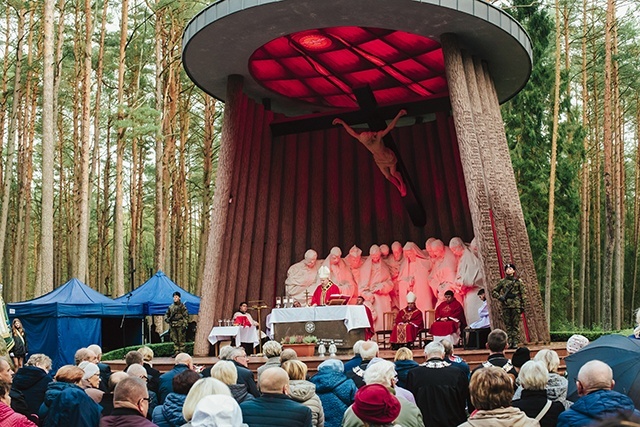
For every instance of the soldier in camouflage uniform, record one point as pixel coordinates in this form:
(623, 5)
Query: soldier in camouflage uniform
(510, 292)
(177, 317)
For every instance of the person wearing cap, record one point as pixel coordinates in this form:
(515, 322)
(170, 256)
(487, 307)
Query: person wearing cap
(408, 323)
(450, 319)
(382, 372)
(217, 411)
(177, 316)
(274, 407)
(510, 292)
(375, 405)
(576, 342)
(91, 380)
(326, 290)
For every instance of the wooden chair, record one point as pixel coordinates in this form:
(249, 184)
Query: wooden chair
(424, 336)
(383, 337)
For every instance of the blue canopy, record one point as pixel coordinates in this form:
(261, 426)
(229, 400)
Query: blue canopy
(156, 294)
(66, 319)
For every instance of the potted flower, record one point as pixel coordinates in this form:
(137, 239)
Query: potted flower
(304, 345)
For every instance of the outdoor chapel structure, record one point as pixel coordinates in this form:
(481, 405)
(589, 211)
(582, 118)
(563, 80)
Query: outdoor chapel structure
(289, 180)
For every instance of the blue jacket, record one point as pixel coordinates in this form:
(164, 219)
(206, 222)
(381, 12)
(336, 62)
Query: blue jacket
(72, 406)
(169, 414)
(594, 407)
(275, 410)
(402, 369)
(352, 363)
(336, 393)
(166, 381)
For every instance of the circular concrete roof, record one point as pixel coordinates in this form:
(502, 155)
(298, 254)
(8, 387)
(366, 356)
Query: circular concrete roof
(221, 39)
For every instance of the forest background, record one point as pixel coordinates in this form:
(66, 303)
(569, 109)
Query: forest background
(109, 151)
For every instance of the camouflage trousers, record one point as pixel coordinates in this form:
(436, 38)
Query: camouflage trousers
(178, 335)
(512, 325)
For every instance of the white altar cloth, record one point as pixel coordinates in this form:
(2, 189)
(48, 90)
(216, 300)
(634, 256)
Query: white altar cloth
(354, 316)
(241, 334)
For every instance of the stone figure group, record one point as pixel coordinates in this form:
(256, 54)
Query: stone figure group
(388, 274)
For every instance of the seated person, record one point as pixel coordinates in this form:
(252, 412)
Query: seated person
(326, 290)
(483, 313)
(248, 332)
(408, 323)
(450, 319)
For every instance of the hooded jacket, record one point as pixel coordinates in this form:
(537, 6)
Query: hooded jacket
(336, 392)
(32, 382)
(169, 414)
(305, 392)
(501, 417)
(596, 406)
(71, 406)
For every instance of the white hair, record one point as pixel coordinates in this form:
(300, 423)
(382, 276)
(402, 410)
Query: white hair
(368, 350)
(200, 389)
(381, 372)
(434, 349)
(549, 358)
(533, 375)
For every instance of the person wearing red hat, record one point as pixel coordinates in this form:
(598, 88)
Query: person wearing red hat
(409, 321)
(375, 405)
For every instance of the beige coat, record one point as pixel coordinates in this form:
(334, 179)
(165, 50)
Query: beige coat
(501, 417)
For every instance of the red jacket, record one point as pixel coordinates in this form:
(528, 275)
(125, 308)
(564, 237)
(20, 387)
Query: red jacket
(10, 418)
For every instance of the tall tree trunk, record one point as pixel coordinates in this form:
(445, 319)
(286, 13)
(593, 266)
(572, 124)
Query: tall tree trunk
(85, 145)
(636, 208)
(609, 191)
(160, 226)
(118, 218)
(211, 285)
(95, 279)
(11, 139)
(207, 193)
(552, 174)
(584, 190)
(619, 186)
(45, 278)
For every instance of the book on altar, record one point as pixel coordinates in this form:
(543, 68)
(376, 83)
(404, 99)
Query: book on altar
(339, 299)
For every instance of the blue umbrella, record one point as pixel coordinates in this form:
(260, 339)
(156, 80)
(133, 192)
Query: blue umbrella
(617, 351)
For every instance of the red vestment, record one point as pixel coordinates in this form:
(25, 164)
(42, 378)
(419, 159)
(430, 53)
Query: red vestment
(322, 296)
(444, 326)
(368, 333)
(406, 326)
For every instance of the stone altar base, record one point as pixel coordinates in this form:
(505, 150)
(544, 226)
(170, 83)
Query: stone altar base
(326, 331)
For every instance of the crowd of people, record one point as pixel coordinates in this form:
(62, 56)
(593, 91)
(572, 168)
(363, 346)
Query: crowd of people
(366, 390)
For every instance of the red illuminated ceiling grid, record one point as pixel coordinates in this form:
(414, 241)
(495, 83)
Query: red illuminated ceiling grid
(322, 66)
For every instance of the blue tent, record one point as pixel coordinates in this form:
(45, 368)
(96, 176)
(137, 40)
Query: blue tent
(156, 294)
(68, 318)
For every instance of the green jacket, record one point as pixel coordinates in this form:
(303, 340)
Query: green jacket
(510, 292)
(177, 315)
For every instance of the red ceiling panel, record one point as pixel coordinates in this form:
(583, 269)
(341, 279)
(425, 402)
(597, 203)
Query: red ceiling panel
(323, 66)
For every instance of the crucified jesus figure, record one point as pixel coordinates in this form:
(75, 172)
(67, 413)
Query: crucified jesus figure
(384, 157)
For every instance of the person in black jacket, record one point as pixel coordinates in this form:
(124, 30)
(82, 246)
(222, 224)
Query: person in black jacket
(245, 376)
(32, 381)
(533, 401)
(275, 407)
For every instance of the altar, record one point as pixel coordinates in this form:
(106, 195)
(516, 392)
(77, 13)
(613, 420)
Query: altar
(342, 324)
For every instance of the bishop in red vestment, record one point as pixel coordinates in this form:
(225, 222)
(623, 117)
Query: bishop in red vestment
(326, 290)
(409, 321)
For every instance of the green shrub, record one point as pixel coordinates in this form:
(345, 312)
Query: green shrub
(164, 349)
(592, 335)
